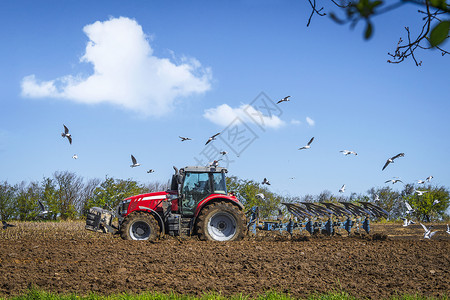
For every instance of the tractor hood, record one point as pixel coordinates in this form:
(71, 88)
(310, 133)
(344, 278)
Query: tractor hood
(149, 201)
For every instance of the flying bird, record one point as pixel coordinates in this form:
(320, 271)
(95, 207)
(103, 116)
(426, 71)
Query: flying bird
(436, 202)
(135, 163)
(377, 197)
(261, 196)
(420, 181)
(214, 163)
(393, 181)
(420, 193)
(348, 152)
(342, 189)
(429, 178)
(6, 225)
(184, 138)
(448, 229)
(212, 138)
(223, 152)
(428, 233)
(284, 99)
(75, 156)
(43, 212)
(407, 222)
(265, 181)
(307, 145)
(67, 134)
(150, 171)
(409, 208)
(391, 160)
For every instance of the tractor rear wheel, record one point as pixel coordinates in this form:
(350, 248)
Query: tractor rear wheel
(140, 227)
(221, 221)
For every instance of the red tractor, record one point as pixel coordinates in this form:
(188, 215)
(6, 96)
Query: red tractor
(196, 204)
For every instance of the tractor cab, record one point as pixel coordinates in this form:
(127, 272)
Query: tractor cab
(198, 183)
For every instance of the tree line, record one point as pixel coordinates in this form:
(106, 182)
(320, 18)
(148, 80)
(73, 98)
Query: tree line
(69, 196)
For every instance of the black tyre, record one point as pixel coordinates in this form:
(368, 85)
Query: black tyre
(222, 222)
(140, 227)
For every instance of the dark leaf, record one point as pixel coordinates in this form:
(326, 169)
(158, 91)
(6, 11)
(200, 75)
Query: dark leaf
(439, 33)
(439, 4)
(369, 31)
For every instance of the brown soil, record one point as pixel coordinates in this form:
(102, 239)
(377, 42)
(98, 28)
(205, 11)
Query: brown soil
(391, 260)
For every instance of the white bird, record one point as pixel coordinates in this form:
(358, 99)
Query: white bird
(214, 163)
(150, 171)
(436, 202)
(448, 229)
(261, 196)
(67, 134)
(134, 161)
(391, 160)
(43, 212)
(420, 181)
(75, 156)
(420, 193)
(428, 233)
(409, 208)
(407, 222)
(307, 145)
(265, 181)
(212, 138)
(184, 138)
(284, 99)
(223, 152)
(429, 178)
(342, 189)
(348, 152)
(377, 197)
(393, 181)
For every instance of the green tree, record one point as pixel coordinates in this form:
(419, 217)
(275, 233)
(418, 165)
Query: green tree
(68, 195)
(7, 200)
(49, 198)
(27, 198)
(431, 205)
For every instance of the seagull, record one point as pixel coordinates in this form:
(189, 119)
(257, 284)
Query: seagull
(307, 145)
(420, 181)
(6, 225)
(428, 234)
(393, 181)
(436, 202)
(214, 163)
(43, 212)
(342, 189)
(429, 178)
(409, 208)
(212, 138)
(67, 134)
(391, 160)
(75, 156)
(448, 229)
(348, 152)
(224, 152)
(150, 171)
(407, 222)
(420, 193)
(284, 99)
(377, 197)
(135, 163)
(265, 181)
(184, 138)
(261, 196)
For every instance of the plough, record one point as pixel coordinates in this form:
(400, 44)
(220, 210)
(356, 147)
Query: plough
(320, 217)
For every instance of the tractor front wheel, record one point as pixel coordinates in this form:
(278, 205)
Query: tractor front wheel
(221, 221)
(140, 227)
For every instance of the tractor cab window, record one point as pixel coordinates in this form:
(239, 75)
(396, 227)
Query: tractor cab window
(196, 187)
(219, 183)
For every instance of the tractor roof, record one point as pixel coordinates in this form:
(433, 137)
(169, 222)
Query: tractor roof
(205, 169)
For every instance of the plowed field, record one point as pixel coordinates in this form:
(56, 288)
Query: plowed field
(65, 258)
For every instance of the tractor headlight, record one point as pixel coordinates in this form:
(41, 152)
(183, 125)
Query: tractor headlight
(123, 208)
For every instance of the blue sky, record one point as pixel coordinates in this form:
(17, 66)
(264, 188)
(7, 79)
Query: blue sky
(129, 77)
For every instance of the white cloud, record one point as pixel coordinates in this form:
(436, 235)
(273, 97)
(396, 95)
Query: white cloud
(224, 114)
(126, 73)
(310, 121)
(295, 122)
